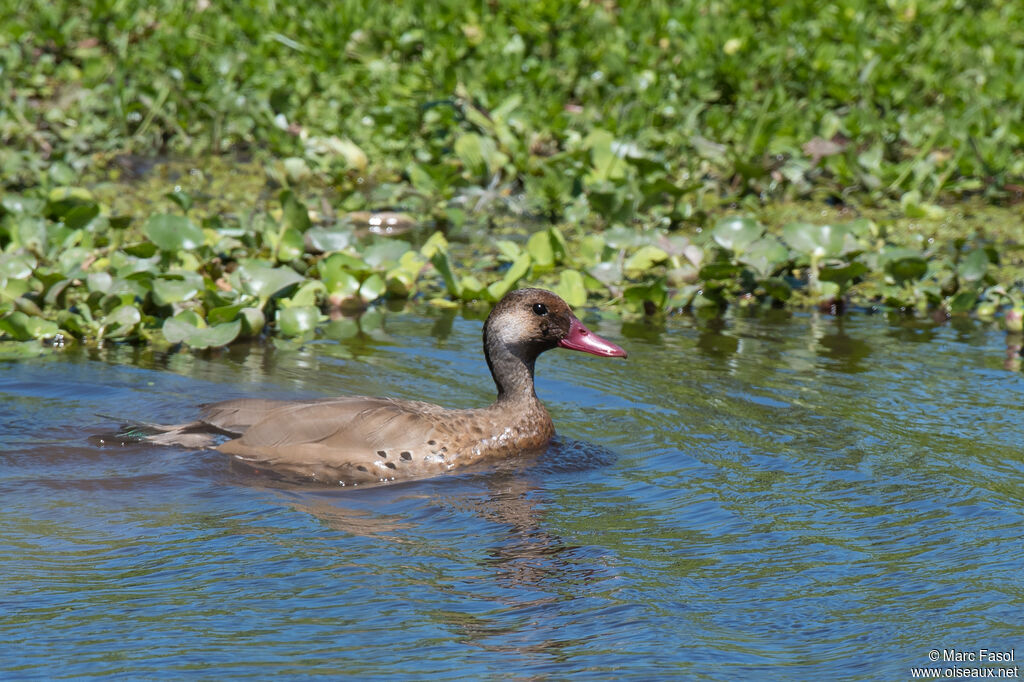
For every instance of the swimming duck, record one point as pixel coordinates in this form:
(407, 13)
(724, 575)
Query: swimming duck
(356, 439)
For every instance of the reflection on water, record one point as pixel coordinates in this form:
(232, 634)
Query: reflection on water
(778, 496)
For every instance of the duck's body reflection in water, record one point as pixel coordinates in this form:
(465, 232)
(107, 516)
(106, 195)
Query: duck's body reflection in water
(522, 565)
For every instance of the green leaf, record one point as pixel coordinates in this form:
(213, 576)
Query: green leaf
(384, 254)
(262, 281)
(736, 234)
(974, 266)
(17, 265)
(716, 271)
(296, 215)
(841, 274)
(188, 328)
(962, 302)
(571, 288)
(224, 313)
(519, 268)
(907, 268)
(80, 216)
(540, 249)
(326, 239)
(373, 288)
(444, 268)
(121, 321)
(175, 288)
(765, 256)
(298, 320)
(252, 320)
(816, 240)
(291, 246)
(308, 294)
(181, 198)
(173, 232)
(644, 259)
(472, 288)
(22, 327)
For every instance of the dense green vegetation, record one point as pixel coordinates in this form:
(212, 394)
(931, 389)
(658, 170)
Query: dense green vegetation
(626, 152)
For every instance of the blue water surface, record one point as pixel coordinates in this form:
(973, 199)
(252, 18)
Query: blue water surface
(792, 497)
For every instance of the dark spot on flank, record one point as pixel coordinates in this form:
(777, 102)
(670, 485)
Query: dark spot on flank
(406, 455)
(390, 465)
(361, 467)
(382, 453)
(431, 442)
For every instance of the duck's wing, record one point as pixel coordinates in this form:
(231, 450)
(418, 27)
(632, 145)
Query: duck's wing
(348, 439)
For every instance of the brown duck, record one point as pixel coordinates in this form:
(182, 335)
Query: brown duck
(355, 439)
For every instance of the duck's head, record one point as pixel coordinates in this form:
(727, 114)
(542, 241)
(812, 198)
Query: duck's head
(528, 322)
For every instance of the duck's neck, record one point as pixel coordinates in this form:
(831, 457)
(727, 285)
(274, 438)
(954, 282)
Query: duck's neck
(511, 363)
(513, 374)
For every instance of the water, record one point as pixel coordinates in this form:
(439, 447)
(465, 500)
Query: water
(776, 498)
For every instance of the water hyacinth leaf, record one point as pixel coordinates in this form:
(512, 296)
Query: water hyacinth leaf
(444, 268)
(515, 273)
(181, 198)
(571, 288)
(17, 265)
(141, 250)
(974, 266)
(509, 250)
(841, 274)
(340, 283)
(121, 321)
(222, 314)
(540, 250)
(187, 327)
(962, 302)
(295, 213)
(385, 253)
(173, 232)
(644, 259)
(263, 281)
(650, 297)
(32, 233)
(815, 240)
(326, 239)
(347, 262)
(99, 281)
(15, 203)
(765, 256)
(298, 320)
(435, 242)
(62, 200)
(721, 270)
(252, 320)
(736, 234)
(21, 327)
(907, 269)
(372, 288)
(176, 288)
(608, 273)
(472, 288)
(80, 216)
(291, 246)
(311, 292)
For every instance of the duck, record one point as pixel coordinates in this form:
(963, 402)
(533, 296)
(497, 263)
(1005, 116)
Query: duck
(353, 440)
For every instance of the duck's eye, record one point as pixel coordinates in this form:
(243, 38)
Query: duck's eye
(540, 309)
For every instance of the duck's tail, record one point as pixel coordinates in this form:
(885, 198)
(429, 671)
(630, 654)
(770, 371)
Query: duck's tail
(192, 435)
